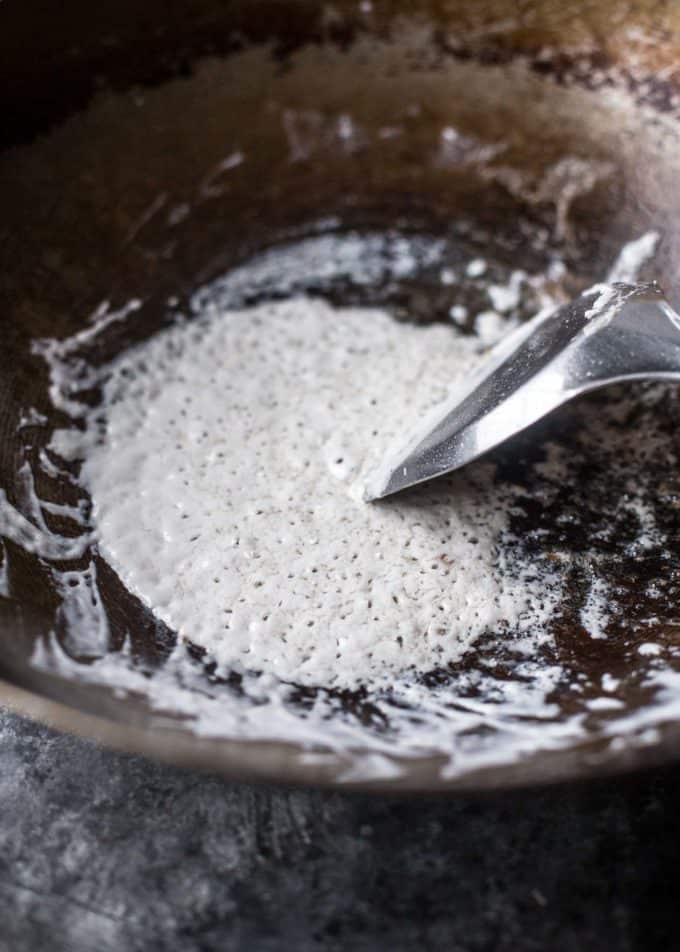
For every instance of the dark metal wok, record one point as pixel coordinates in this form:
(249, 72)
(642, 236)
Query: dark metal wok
(149, 148)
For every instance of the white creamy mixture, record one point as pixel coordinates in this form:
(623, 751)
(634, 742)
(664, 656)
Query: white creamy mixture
(227, 490)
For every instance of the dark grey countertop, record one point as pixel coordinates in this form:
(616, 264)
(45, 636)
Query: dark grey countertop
(102, 851)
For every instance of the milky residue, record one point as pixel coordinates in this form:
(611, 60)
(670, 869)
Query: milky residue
(227, 494)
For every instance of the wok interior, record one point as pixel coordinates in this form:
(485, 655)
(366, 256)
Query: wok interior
(308, 120)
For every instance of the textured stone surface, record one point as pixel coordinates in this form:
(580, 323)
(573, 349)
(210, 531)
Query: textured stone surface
(101, 851)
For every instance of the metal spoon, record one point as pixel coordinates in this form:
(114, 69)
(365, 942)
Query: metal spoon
(611, 333)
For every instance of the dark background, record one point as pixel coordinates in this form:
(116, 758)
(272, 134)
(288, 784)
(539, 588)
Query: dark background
(102, 851)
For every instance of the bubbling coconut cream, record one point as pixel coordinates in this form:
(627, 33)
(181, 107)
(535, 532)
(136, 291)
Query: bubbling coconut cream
(227, 484)
(227, 462)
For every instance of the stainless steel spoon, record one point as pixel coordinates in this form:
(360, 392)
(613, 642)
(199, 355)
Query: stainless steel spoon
(611, 333)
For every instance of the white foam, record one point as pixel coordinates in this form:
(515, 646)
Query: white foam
(476, 268)
(596, 610)
(632, 257)
(506, 297)
(224, 495)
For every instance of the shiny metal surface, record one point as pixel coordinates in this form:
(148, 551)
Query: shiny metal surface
(608, 335)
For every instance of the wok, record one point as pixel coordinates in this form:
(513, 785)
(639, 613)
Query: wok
(147, 149)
